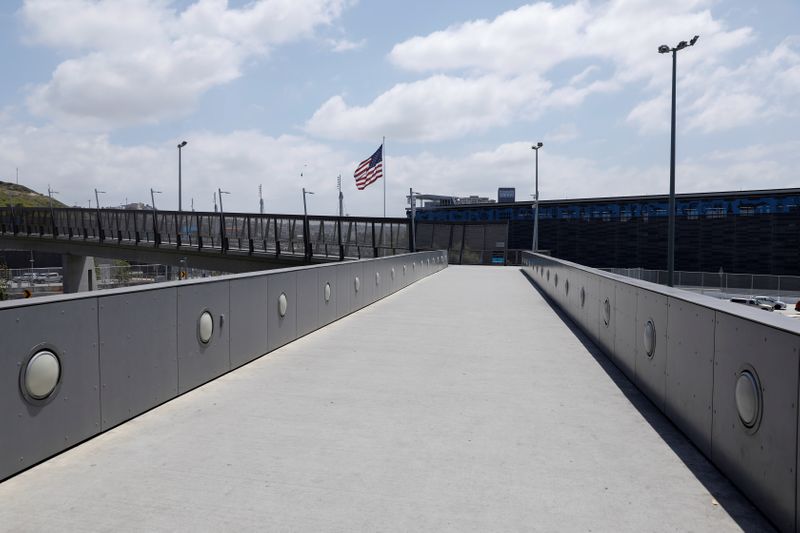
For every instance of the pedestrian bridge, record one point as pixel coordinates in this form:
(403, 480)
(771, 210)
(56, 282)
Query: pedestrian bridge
(229, 242)
(415, 397)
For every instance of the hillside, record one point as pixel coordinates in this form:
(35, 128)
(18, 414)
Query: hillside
(13, 194)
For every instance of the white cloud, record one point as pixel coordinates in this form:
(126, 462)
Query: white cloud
(436, 108)
(762, 88)
(239, 161)
(345, 45)
(140, 61)
(564, 133)
(497, 58)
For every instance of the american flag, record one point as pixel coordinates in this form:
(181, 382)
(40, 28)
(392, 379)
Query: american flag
(369, 170)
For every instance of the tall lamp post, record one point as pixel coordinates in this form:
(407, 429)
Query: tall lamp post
(535, 148)
(306, 236)
(156, 237)
(180, 192)
(664, 49)
(222, 229)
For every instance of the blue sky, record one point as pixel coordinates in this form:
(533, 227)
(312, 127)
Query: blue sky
(99, 93)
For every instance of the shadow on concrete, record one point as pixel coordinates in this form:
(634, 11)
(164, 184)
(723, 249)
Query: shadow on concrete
(724, 492)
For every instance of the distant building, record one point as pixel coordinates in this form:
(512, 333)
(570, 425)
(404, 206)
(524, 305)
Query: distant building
(506, 195)
(756, 232)
(437, 200)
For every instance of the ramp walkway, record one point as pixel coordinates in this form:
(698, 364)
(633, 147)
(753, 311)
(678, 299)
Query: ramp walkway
(464, 402)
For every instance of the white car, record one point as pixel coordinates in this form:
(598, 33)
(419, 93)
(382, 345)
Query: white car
(769, 300)
(753, 302)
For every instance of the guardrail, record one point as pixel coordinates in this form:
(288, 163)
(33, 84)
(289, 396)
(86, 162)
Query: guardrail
(253, 234)
(725, 374)
(74, 366)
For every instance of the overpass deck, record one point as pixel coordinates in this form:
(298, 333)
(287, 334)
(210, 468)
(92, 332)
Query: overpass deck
(464, 402)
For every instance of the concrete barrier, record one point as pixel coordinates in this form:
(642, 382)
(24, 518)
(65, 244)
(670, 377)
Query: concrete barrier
(725, 374)
(118, 353)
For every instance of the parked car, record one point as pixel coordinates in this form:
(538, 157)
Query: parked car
(770, 300)
(753, 302)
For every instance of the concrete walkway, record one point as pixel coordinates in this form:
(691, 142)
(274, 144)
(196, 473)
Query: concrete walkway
(462, 403)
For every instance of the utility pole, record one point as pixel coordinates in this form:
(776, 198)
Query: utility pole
(215, 202)
(260, 201)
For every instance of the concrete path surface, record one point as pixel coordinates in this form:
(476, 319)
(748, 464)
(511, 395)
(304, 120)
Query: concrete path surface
(462, 403)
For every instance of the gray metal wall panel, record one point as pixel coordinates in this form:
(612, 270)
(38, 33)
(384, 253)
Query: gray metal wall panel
(198, 362)
(368, 285)
(651, 371)
(248, 322)
(357, 299)
(32, 433)
(281, 330)
(309, 299)
(138, 353)
(385, 287)
(327, 310)
(690, 370)
(624, 326)
(763, 464)
(593, 302)
(344, 286)
(406, 273)
(606, 291)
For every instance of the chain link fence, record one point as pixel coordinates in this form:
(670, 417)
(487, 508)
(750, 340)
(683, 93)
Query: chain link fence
(721, 284)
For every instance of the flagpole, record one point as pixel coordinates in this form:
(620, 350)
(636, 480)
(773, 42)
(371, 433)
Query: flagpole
(383, 147)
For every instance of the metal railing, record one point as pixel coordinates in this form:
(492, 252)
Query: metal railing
(254, 234)
(721, 284)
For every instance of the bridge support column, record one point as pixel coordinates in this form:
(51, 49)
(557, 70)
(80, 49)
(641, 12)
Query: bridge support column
(78, 273)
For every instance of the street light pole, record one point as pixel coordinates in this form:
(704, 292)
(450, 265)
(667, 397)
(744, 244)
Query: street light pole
(535, 246)
(97, 197)
(222, 229)
(306, 232)
(664, 49)
(156, 237)
(180, 191)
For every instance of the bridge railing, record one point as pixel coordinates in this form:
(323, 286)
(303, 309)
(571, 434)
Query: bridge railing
(270, 234)
(107, 356)
(724, 373)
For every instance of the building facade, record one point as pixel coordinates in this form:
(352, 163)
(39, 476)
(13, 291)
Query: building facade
(745, 231)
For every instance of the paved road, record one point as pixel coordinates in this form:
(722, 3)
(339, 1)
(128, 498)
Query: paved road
(462, 403)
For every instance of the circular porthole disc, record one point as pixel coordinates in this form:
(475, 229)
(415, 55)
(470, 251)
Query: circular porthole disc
(205, 327)
(42, 374)
(747, 398)
(283, 304)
